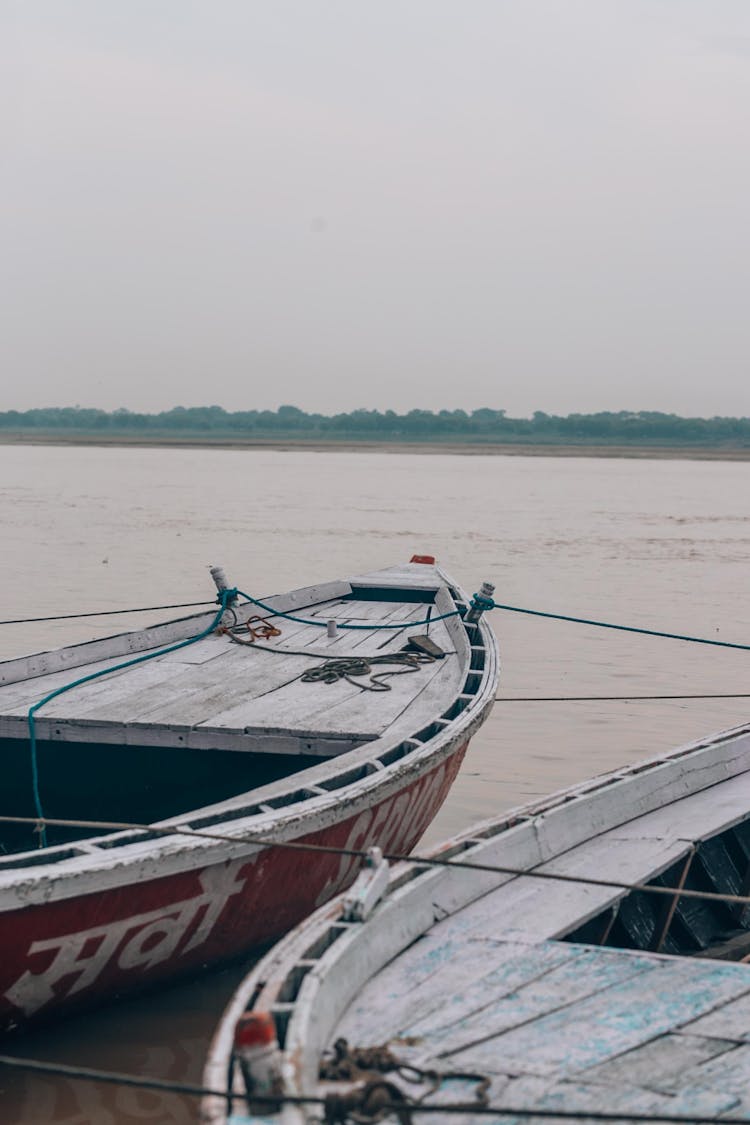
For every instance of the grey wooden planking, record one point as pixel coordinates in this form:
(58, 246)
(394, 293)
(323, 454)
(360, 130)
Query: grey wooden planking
(694, 817)
(541, 908)
(412, 986)
(631, 853)
(730, 1021)
(107, 692)
(560, 1026)
(659, 1064)
(518, 992)
(220, 679)
(302, 706)
(20, 695)
(581, 1098)
(729, 1071)
(586, 1032)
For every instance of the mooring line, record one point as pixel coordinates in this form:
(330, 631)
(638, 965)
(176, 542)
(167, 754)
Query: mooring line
(272, 1101)
(611, 698)
(364, 854)
(108, 612)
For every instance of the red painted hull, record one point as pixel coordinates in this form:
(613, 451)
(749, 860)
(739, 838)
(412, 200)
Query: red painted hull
(80, 951)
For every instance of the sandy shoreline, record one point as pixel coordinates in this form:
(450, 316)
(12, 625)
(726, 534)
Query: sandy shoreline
(670, 452)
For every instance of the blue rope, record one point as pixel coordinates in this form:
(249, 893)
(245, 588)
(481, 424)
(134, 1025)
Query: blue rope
(489, 603)
(225, 596)
(322, 624)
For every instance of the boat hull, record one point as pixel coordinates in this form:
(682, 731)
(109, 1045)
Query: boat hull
(73, 953)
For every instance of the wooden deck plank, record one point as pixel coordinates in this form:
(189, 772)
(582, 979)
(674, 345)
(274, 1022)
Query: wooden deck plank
(730, 1021)
(130, 695)
(660, 1064)
(541, 908)
(107, 691)
(410, 988)
(600, 1027)
(226, 674)
(695, 817)
(633, 852)
(403, 576)
(348, 640)
(581, 1098)
(300, 706)
(521, 991)
(19, 696)
(199, 693)
(729, 1071)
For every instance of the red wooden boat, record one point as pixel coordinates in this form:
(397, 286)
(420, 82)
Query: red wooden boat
(247, 734)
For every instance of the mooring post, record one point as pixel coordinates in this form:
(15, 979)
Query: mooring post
(220, 579)
(479, 603)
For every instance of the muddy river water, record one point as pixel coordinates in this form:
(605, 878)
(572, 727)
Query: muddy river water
(659, 544)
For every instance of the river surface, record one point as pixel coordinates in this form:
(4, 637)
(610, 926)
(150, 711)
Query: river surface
(656, 544)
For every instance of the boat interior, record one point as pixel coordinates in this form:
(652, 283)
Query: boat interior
(232, 715)
(560, 993)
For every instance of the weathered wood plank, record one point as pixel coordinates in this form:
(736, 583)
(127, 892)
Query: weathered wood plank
(666, 994)
(305, 706)
(729, 1071)
(413, 701)
(730, 1021)
(541, 908)
(695, 817)
(75, 656)
(424, 978)
(581, 1098)
(660, 1064)
(107, 691)
(19, 696)
(199, 693)
(407, 576)
(521, 991)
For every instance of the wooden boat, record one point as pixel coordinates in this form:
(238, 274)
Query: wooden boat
(218, 741)
(572, 994)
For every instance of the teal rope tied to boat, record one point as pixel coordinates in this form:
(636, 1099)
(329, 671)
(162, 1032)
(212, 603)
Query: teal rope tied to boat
(482, 603)
(224, 598)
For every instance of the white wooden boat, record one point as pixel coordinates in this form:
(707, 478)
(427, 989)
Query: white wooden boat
(225, 739)
(530, 994)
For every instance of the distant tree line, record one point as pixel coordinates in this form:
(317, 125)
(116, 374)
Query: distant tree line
(641, 427)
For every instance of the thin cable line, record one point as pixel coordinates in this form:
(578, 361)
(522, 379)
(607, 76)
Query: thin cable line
(610, 698)
(116, 1077)
(619, 628)
(187, 1089)
(361, 853)
(105, 612)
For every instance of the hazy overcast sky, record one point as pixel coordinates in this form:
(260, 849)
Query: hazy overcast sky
(528, 204)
